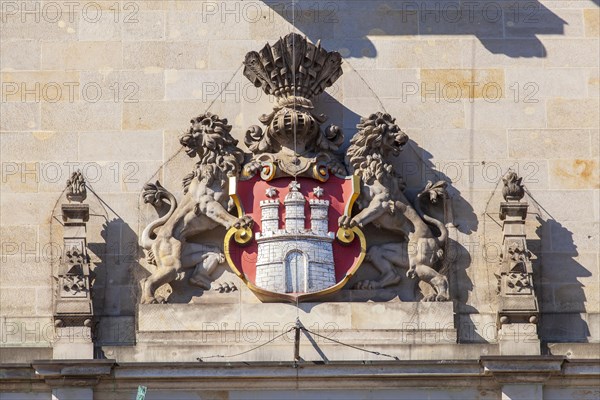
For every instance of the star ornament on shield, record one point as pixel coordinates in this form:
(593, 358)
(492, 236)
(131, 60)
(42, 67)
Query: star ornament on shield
(295, 250)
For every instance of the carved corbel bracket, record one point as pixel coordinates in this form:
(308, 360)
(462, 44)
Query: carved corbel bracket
(522, 369)
(74, 373)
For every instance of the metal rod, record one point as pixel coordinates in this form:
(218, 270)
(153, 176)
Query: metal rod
(297, 340)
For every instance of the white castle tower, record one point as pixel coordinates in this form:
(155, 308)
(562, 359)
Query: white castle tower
(294, 259)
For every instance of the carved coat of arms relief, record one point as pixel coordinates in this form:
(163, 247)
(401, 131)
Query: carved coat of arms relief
(294, 207)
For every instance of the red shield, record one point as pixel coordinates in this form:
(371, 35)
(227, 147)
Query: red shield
(296, 251)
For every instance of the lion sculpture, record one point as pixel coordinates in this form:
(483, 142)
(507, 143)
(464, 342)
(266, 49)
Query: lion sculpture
(383, 203)
(204, 206)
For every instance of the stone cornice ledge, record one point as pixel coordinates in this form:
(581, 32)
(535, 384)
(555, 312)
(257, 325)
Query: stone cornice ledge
(488, 370)
(73, 372)
(522, 369)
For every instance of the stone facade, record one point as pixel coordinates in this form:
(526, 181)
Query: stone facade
(107, 87)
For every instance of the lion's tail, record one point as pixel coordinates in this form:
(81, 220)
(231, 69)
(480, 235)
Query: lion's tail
(439, 191)
(157, 195)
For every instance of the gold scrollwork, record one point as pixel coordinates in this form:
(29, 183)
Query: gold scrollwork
(268, 171)
(347, 235)
(241, 236)
(320, 172)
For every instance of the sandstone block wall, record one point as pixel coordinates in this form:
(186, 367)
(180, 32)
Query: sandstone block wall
(108, 86)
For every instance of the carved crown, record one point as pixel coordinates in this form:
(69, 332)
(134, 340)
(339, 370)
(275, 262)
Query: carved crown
(293, 67)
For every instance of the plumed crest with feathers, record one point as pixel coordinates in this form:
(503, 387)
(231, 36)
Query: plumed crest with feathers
(293, 66)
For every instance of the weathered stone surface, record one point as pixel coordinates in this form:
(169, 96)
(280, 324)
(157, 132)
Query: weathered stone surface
(15, 237)
(412, 110)
(581, 53)
(38, 211)
(20, 55)
(386, 16)
(36, 148)
(548, 143)
(558, 393)
(411, 318)
(154, 56)
(228, 50)
(118, 331)
(520, 23)
(574, 174)
(522, 392)
(20, 116)
(81, 55)
(531, 85)
(440, 53)
(519, 339)
(480, 114)
(183, 26)
(151, 115)
(453, 84)
(73, 394)
(145, 25)
(28, 23)
(483, 145)
(507, 53)
(574, 113)
(203, 85)
(81, 116)
(38, 270)
(100, 146)
(26, 331)
(123, 86)
(581, 205)
(575, 350)
(40, 86)
(591, 20)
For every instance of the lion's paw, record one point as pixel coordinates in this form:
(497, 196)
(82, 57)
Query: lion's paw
(347, 222)
(442, 297)
(429, 298)
(225, 287)
(435, 297)
(367, 285)
(252, 168)
(344, 221)
(244, 222)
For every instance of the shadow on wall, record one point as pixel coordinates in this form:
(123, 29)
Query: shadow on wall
(560, 293)
(117, 270)
(509, 28)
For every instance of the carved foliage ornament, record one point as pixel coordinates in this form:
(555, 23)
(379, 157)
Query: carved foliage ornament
(76, 190)
(294, 208)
